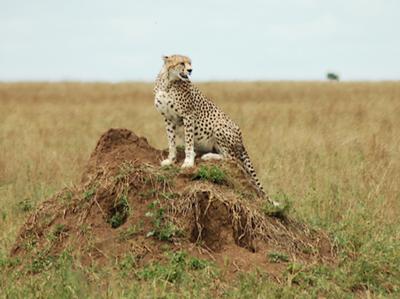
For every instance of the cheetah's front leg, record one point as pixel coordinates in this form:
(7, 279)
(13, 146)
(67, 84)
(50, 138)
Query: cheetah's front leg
(188, 123)
(171, 144)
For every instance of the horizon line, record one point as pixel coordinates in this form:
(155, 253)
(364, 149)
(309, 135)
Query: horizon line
(28, 81)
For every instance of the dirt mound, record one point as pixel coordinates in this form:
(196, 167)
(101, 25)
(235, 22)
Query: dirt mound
(127, 203)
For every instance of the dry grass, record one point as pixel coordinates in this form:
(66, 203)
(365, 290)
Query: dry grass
(333, 149)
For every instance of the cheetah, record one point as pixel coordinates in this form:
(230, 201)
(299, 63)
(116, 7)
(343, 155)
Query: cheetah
(206, 128)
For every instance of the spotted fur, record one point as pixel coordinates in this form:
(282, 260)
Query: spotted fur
(206, 128)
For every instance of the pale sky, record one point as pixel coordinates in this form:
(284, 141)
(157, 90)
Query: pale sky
(94, 40)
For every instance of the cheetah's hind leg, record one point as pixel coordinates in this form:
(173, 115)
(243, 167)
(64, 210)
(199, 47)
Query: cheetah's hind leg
(211, 156)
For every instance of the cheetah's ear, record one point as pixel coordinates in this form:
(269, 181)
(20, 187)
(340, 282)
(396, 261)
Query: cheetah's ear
(164, 58)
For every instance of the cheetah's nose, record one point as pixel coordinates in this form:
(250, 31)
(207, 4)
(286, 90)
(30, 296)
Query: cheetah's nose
(189, 71)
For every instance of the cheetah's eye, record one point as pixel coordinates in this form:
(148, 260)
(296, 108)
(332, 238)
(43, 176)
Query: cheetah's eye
(182, 64)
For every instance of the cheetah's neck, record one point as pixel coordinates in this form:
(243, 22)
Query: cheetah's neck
(162, 81)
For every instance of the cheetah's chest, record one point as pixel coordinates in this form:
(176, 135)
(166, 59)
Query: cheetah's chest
(165, 104)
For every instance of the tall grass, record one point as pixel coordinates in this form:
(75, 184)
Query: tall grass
(333, 149)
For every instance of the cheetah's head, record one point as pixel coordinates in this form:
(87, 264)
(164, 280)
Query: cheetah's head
(179, 67)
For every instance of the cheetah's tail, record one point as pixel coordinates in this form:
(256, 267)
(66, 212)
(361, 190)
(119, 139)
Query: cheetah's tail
(244, 161)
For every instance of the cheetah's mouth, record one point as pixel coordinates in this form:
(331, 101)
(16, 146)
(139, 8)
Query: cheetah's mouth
(183, 76)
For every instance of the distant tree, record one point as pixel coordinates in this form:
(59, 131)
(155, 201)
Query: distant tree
(332, 77)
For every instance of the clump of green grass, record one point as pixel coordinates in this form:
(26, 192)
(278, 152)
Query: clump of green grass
(277, 257)
(163, 229)
(127, 264)
(42, 262)
(30, 242)
(172, 272)
(197, 264)
(8, 262)
(175, 270)
(55, 277)
(56, 233)
(25, 205)
(213, 174)
(89, 193)
(119, 212)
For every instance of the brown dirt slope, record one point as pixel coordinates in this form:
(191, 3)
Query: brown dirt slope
(127, 203)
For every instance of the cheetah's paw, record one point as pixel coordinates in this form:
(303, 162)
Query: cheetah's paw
(187, 164)
(167, 162)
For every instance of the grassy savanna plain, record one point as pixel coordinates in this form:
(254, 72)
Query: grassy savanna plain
(332, 149)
